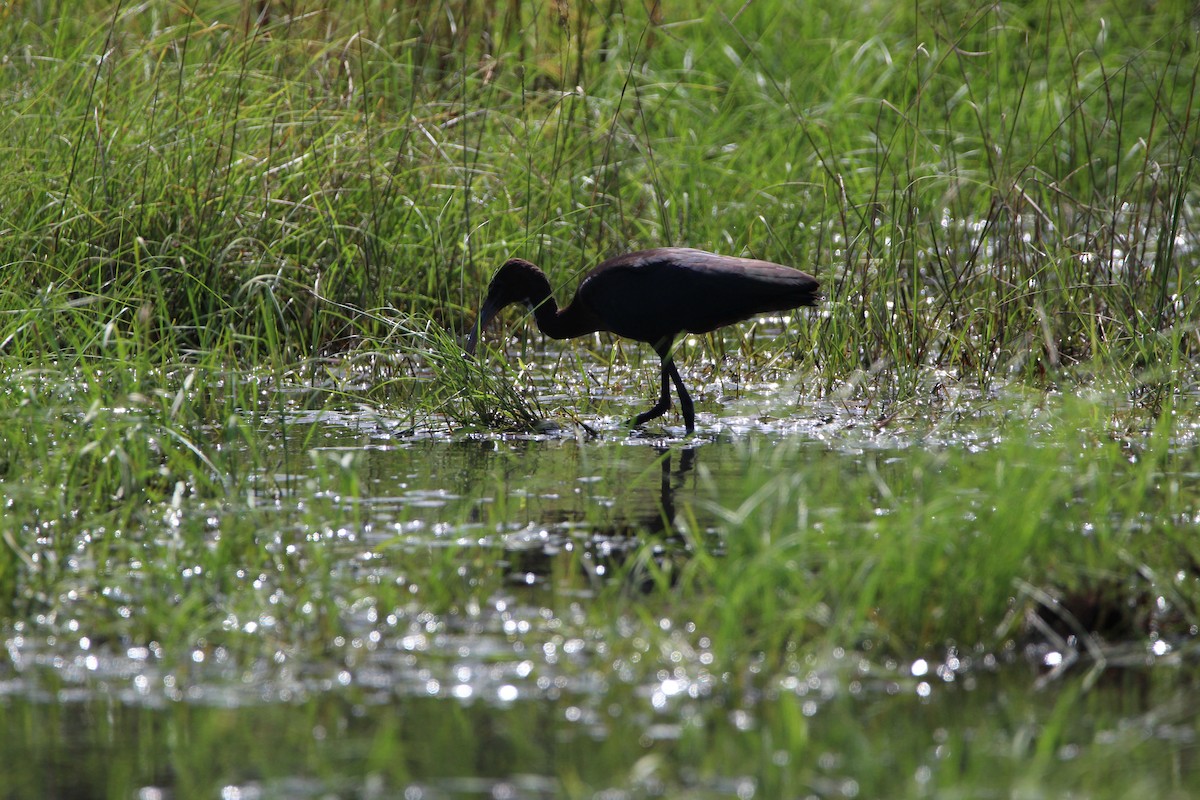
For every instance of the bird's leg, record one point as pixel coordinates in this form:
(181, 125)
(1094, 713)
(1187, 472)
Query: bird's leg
(685, 400)
(664, 401)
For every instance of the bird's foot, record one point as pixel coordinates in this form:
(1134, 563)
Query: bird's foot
(638, 430)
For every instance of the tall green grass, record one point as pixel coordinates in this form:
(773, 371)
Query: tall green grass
(998, 190)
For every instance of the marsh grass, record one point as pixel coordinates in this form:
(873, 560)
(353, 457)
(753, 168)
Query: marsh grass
(998, 191)
(453, 385)
(214, 220)
(957, 549)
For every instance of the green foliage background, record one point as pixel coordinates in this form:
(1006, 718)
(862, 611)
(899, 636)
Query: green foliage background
(988, 187)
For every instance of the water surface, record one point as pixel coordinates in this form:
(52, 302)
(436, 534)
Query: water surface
(400, 614)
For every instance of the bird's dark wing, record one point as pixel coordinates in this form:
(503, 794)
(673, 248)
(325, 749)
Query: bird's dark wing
(657, 294)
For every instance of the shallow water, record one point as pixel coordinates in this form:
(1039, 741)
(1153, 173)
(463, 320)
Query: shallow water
(846, 740)
(414, 619)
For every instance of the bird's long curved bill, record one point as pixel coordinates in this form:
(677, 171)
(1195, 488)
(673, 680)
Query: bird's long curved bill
(489, 310)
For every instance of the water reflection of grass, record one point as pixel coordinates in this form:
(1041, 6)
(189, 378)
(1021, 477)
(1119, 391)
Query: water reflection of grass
(214, 230)
(808, 613)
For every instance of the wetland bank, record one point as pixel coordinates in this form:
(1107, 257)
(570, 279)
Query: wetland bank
(267, 533)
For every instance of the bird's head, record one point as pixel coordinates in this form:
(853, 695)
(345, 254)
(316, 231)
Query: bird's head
(517, 281)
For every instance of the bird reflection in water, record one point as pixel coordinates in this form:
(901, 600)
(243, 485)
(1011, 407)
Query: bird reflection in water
(644, 547)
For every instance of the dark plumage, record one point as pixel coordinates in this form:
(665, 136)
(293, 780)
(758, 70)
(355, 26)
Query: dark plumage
(652, 296)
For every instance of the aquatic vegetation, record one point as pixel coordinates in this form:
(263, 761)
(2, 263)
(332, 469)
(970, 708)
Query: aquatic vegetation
(266, 531)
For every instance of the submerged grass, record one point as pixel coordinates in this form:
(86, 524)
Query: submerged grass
(841, 608)
(1064, 529)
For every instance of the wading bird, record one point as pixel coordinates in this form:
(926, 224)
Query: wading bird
(652, 296)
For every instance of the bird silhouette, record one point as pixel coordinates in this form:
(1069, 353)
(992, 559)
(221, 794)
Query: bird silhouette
(652, 296)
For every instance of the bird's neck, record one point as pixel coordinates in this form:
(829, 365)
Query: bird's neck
(565, 323)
